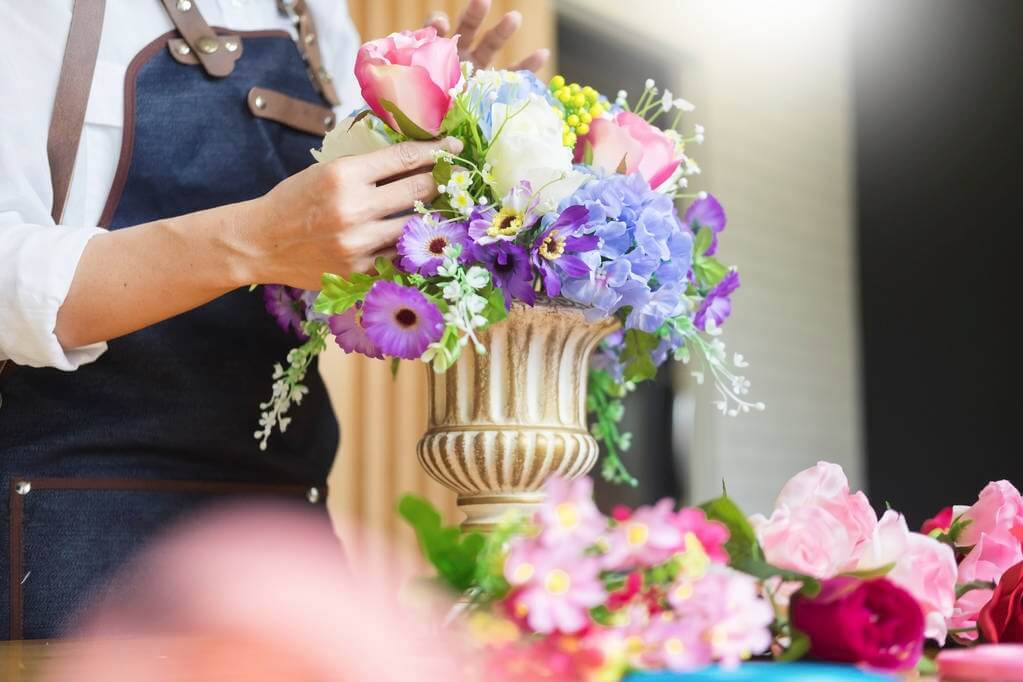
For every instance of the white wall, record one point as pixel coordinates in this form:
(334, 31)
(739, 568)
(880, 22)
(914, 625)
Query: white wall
(772, 85)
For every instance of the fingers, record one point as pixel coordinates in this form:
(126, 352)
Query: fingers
(534, 62)
(402, 158)
(375, 238)
(494, 39)
(401, 195)
(469, 23)
(440, 22)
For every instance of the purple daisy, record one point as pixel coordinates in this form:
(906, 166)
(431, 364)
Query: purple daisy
(350, 336)
(422, 244)
(717, 305)
(706, 212)
(554, 251)
(508, 263)
(400, 321)
(519, 210)
(287, 306)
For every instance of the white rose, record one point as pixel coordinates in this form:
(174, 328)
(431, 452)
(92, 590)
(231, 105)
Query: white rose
(528, 147)
(346, 139)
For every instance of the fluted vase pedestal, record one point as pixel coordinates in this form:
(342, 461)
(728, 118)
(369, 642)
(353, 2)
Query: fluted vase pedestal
(501, 424)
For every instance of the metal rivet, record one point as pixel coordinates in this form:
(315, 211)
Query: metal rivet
(208, 45)
(184, 5)
(184, 49)
(260, 102)
(23, 487)
(313, 495)
(230, 45)
(324, 76)
(310, 39)
(329, 121)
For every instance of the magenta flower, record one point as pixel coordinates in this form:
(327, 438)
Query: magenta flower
(400, 321)
(568, 515)
(553, 587)
(509, 264)
(717, 305)
(422, 244)
(871, 622)
(649, 537)
(554, 251)
(350, 336)
(706, 212)
(712, 534)
(287, 307)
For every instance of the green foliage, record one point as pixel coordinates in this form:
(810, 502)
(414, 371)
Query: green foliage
(974, 585)
(453, 555)
(703, 240)
(798, 647)
(406, 126)
(489, 578)
(636, 355)
(708, 270)
(871, 573)
(603, 402)
(442, 172)
(338, 294)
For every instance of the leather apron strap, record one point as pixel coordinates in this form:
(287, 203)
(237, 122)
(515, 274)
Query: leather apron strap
(73, 97)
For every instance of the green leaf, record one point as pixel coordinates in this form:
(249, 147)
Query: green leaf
(588, 153)
(455, 117)
(495, 311)
(453, 555)
(395, 366)
(442, 172)
(386, 270)
(975, 585)
(798, 648)
(927, 666)
(639, 346)
(358, 117)
(709, 271)
(703, 240)
(623, 166)
(871, 573)
(405, 125)
(338, 294)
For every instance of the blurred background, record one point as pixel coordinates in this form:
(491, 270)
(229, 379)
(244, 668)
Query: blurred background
(868, 154)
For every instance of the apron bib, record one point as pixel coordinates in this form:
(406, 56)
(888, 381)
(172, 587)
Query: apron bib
(94, 462)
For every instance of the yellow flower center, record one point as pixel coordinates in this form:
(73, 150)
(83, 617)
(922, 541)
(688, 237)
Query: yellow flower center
(506, 223)
(694, 561)
(552, 246)
(683, 591)
(634, 645)
(523, 572)
(568, 515)
(557, 582)
(674, 646)
(636, 534)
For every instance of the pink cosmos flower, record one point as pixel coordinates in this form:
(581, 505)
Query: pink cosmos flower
(993, 555)
(998, 508)
(675, 644)
(554, 587)
(650, 536)
(413, 70)
(627, 137)
(568, 515)
(712, 534)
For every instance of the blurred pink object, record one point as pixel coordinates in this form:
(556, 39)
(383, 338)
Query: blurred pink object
(413, 70)
(627, 137)
(998, 508)
(257, 593)
(984, 663)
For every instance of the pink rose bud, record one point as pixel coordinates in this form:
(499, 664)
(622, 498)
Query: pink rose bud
(644, 148)
(413, 72)
(872, 622)
(941, 522)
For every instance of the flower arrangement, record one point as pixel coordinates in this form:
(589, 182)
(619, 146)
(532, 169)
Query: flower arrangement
(557, 193)
(572, 594)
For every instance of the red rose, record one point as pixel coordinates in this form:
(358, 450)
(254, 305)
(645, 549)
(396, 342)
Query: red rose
(873, 622)
(941, 521)
(1001, 619)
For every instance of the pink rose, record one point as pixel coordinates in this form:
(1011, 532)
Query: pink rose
(993, 555)
(414, 71)
(644, 148)
(927, 571)
(807, 539)
(999, 508)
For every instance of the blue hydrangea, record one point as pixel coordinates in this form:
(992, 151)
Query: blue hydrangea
(644, 257)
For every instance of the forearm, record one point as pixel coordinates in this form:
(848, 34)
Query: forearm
(133, 277)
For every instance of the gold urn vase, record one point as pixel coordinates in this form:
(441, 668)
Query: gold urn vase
(502, 423)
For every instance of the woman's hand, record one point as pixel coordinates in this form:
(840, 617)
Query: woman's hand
(473, 16)
(337, 216)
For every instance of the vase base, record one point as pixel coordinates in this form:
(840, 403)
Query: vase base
(484, 512)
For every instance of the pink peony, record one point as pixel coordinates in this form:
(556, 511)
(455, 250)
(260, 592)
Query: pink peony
(998, 508)
(650, 536)
(568, 515)
(413, 70)
(993, 555)
(644, 148)
(806, 539)
(554, 587)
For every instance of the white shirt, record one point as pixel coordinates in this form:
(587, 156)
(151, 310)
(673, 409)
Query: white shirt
(37, 258)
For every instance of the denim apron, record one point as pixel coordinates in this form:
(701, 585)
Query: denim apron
(94, 462)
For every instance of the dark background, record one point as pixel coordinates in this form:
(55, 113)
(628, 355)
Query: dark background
(938, 96)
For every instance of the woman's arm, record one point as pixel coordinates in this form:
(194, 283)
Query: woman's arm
(331, 217)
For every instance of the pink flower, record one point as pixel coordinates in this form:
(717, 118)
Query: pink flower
(650, 536)
(678, 645)
(807, 539)
(712, 534)
(941, 521)
(568, 515)
(927, 570)
(644, 148)
(999, 508)
(993, 555)
(414, 71)
(554, 587)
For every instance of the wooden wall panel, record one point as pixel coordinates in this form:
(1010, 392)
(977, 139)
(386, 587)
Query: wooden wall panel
(382, 418)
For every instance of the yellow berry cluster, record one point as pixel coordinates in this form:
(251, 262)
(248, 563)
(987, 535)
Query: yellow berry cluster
(581, 104)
